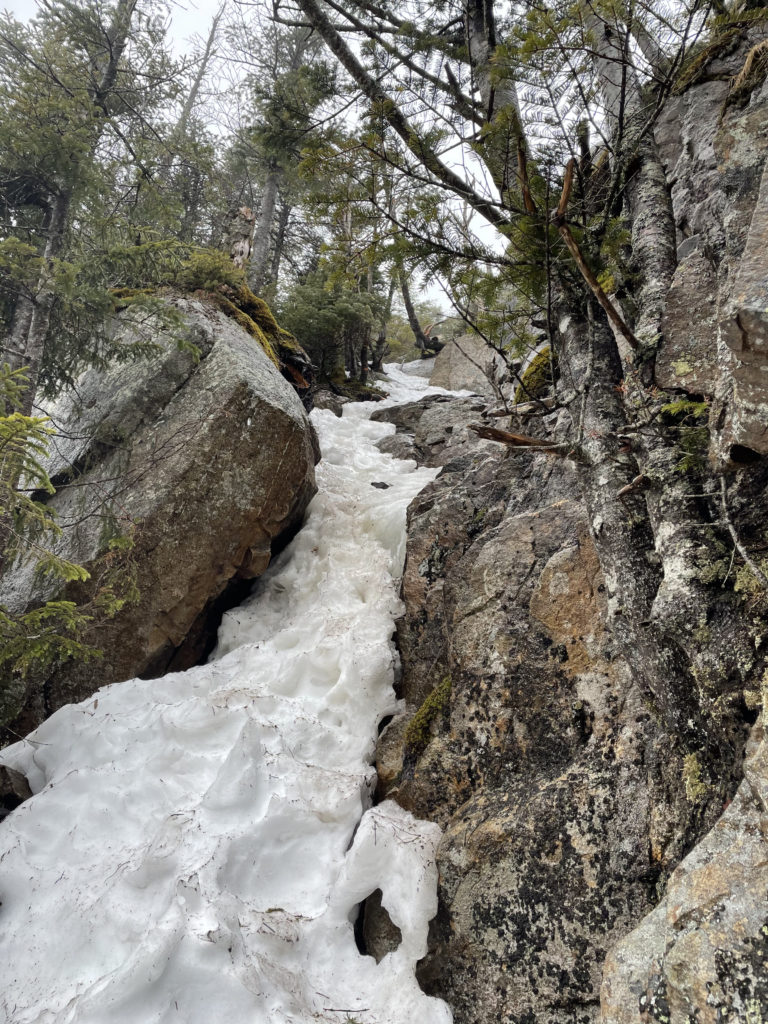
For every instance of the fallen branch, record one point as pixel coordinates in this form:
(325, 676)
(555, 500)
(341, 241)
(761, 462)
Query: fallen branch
(524, 408)
(515, 440)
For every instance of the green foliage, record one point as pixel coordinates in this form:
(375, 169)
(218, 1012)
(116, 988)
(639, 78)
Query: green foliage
(34, 640)
(207, 270)
(326, 315)
(693, 435)
(37, 639)
(419, 731)
(40, 636)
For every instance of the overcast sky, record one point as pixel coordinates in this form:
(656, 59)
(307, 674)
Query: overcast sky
(190, 17)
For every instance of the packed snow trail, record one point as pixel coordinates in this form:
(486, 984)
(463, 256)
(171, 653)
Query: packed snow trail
(186, 856)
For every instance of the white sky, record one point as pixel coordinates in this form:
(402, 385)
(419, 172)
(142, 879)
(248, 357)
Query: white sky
(189, 17)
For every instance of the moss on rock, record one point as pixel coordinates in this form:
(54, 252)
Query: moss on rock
(536, 379)
(419, 730)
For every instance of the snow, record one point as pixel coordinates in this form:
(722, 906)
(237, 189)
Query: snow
(198, 845)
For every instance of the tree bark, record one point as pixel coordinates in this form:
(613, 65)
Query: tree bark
(283, 220)
(502, 133)
(422, 342)
(262, 235)
(44, 298)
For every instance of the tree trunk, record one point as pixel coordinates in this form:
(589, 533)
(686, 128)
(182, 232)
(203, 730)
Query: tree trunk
(379, 350)
(257, 275)
(16, 339)
(283, 220)
(502, 132)
(238, 235)
(422, 341)
(44, 298)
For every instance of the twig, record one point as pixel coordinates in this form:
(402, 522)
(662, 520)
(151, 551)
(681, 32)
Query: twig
(756, 571)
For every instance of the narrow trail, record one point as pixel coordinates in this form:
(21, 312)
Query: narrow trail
(198, 845)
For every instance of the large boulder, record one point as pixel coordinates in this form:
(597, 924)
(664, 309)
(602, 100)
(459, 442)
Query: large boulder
(202, 456)
(467, 364)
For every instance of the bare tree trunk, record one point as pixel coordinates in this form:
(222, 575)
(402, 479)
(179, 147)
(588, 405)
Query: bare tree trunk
(238, 235)
(197, 82)
(44, 299)
(422, 342)
(682, 602)
(619, 525)
(503, 134)
(16, 340)
(283, 220)
(257, 275)
(380, 348)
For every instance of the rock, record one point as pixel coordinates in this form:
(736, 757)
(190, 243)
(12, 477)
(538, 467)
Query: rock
(558, 791)
(323, 399)
(14, 790)
(745, 331)
(703, 953)
(687, 358)
(430, 429)
(716, 329)
(203, 464)
(380, 934)
(464, 364)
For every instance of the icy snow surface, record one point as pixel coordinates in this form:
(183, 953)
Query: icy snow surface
(188, 855)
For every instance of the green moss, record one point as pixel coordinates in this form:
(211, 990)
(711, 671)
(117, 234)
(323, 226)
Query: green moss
(695, 788)
(246, 322)
(124, 297)
(702, 635)
(419, 730)
(536, 379)
(747, 583)
(212, 272)
(714, 571)
(352, 388)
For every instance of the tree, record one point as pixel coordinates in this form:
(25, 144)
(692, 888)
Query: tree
(285, 87)
(552, 109)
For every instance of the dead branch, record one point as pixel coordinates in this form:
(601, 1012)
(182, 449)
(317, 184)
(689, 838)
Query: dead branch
(515, 440)
(558, 219)
(755, 569)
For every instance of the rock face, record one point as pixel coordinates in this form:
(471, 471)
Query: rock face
(714, 147)
(703, 953)
(463, 365)
(589, 870)
(202, 462)
(525, 737)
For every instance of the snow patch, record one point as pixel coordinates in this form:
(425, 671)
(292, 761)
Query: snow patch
(197, 845)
